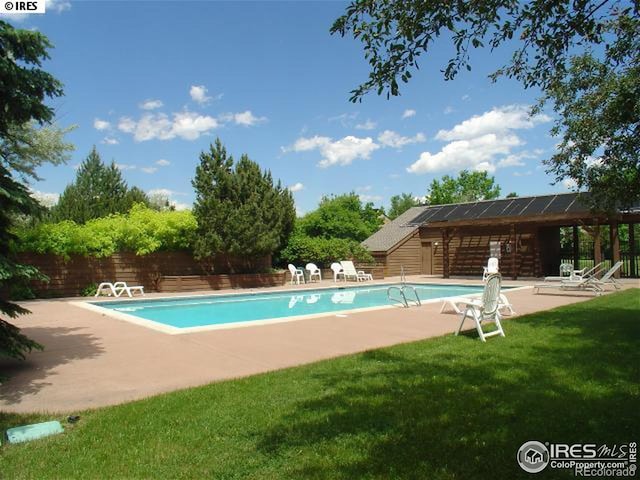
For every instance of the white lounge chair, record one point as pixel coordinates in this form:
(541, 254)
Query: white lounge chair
(485, 309)
(337, 271)
(457, 304)
(574, 275)
(585, 284)
(108, 289)
(314, 271)
(566, 272)
(296, 274)
(351, 272)
(608, 278)
(491, 268)
(117, 289)
(123, 287)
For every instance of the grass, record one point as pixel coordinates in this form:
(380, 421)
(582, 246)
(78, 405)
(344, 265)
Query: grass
(446, 408)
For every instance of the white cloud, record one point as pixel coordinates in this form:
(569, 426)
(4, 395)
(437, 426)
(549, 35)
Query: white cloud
(163, 163)
(245, 118)
(110, 141)
(296, 187)
(448, 109)
(124, 166)
(476, 153)
(408, 113)
(394, 175)
(499, 119)
(345, 119)
(389, 138)
(523, 174)
(366, 188)
(199, 94)
(186, 125)
(149, 169)
(368, 125)
(465, 97)
(46, 199)
(151, 104)
(101, 124)
(340, 152)
(483, 142)
(371, 198)
(569, 184)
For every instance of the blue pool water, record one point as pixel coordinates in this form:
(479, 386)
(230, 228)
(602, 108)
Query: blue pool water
(199, 311)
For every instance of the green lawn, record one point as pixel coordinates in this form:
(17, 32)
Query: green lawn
(449, 407)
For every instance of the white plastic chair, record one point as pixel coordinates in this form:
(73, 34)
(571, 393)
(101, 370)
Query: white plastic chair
(485, 309)
(457, 304)
(337, 271)
(296, 274)
(314, 271)
(491, 268)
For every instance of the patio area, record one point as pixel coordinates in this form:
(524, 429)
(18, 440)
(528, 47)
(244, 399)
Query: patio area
(93, 360)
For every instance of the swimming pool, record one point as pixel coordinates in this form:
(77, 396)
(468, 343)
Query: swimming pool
(187, 314)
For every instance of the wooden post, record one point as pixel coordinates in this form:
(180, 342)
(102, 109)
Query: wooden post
(632, 252)
(615, 245)
(445, 253)
(576, 248)
(514, 247)
(597, 247)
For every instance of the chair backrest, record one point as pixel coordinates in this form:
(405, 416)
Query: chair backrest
(611, 271)
(491, 294)
(593, 271)
(492, 265)
(292, 269)
(566, 269)
(311, 267)
(336, 267)
(349, 267)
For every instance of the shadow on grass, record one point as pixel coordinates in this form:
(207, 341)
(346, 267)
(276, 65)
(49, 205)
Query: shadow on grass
(455, 408)
(62, 345)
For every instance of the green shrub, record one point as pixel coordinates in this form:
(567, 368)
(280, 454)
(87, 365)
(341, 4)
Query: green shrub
(302, 249)
(141, 231)
(89, 291)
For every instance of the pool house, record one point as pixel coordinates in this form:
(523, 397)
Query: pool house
(531, 236)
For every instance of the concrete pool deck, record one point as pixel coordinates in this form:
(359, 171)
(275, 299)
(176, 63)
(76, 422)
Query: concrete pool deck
(93, 360)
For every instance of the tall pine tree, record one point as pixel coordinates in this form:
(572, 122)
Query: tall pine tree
(239, 209)
(24, 86)
(98, 191)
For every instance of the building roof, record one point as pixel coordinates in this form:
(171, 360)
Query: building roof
(394, 231)
(407, 223)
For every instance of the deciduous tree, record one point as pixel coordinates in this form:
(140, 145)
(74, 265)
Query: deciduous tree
(400, 204)
(583, 55)
(467, 187)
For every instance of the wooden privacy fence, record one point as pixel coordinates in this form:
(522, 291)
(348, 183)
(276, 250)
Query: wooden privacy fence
(69, 277)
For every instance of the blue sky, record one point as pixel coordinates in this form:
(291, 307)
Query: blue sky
(152, 84)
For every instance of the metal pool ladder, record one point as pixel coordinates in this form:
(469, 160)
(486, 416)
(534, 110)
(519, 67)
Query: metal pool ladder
(402, 291)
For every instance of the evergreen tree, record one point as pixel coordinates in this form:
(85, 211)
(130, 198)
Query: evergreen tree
(98, 191)
(23, 88)
(238, 208)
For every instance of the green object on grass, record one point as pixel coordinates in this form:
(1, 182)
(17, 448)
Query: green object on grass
(32, 432)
